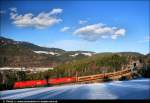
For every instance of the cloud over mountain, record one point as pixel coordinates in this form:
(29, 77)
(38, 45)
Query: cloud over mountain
(96, 31)
(42, 20)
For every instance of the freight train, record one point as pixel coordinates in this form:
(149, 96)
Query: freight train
(67, 80)
(36, 83)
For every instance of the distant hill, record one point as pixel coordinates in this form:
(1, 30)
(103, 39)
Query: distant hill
(39, 48)
(106, 54)
(130, 54)
(24, 54)
(27, 45)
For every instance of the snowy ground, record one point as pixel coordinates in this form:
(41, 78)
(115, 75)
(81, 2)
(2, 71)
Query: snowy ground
(133, 89)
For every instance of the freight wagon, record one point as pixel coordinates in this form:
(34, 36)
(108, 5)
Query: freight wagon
(35, 83)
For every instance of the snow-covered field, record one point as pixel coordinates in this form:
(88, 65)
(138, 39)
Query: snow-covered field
(133, 89)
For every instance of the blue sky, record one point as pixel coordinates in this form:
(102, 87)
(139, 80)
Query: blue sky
(100, 26)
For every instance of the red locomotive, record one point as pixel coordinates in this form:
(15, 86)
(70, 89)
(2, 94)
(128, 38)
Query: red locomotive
(35, 83)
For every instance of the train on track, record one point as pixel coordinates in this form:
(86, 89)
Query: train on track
(36, 83)
(67, 80)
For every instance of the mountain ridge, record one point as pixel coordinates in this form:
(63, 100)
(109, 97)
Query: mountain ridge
(19, 53)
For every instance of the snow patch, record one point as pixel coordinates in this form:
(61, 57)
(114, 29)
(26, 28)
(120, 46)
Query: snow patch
(74, 55)
(10, 68)
(41, 52)
(53, 53)
(46, 52)
(87, 54)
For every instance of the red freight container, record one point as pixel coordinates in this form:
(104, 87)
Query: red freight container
(62, 80)
(32, 83)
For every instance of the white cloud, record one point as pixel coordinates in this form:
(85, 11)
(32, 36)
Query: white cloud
(64, 29)
(96, 31)
(42, 20)
(83, 21)
(13, 9)
(120, 32)
(56, 11)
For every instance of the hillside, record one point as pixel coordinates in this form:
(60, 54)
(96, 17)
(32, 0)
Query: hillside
(24, 54)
